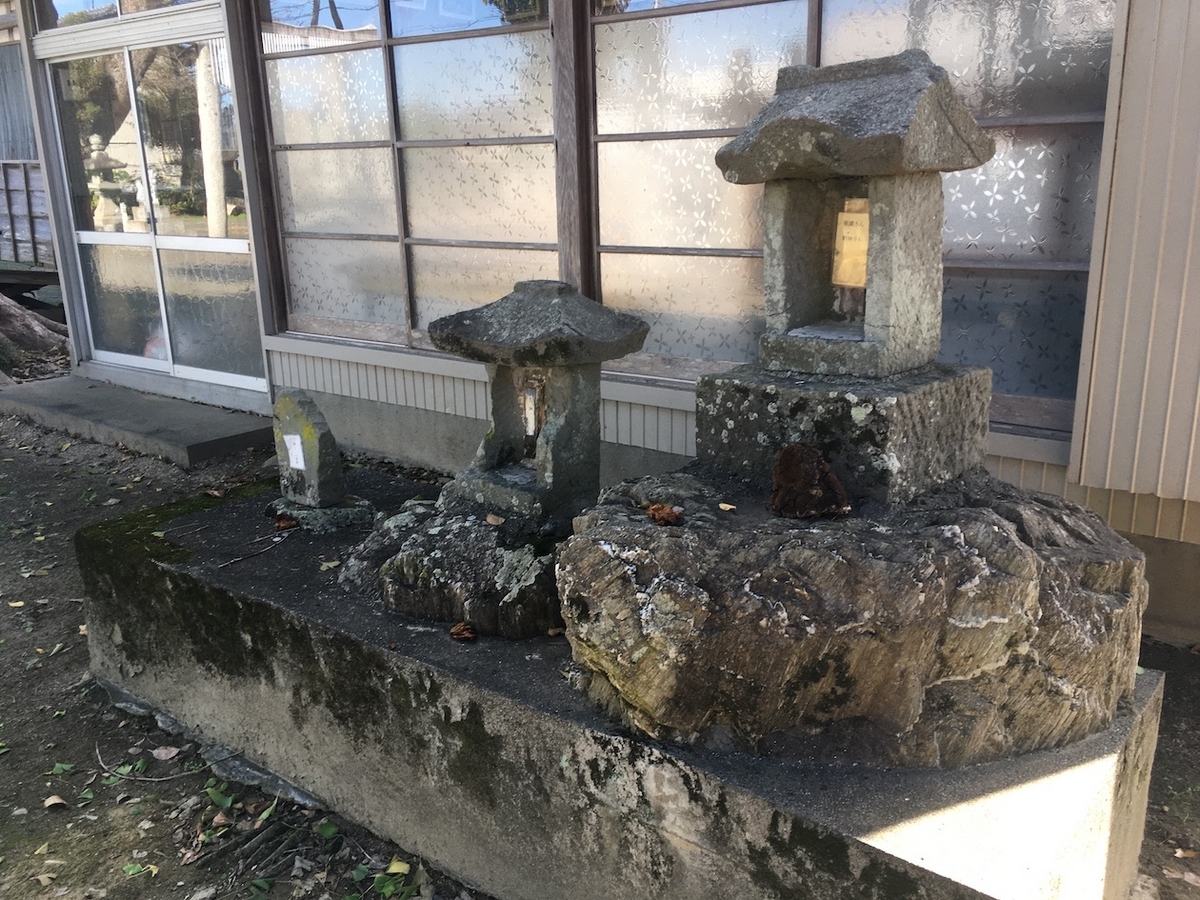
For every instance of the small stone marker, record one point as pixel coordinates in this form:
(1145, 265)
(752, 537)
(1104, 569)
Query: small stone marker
(310, 464)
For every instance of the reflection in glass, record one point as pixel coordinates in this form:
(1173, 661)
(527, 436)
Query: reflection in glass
(100, 145)
(493, 86)
(122, 300)
(490, 193)
(615, 7)
(698, 306)
(62, 13)
(329, 97)
(437, 16)
(357, 281)
(325, 15)
(1026, 327)
(213, 311)
(671, 194)
(694, 70)
(185, 103)
(343, 191)
(449, 279)
(1005, 57)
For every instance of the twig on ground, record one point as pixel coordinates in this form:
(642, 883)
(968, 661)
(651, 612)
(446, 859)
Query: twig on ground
(113, 772)
(238, 559)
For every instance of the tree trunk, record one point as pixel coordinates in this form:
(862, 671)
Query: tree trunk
(27, 330)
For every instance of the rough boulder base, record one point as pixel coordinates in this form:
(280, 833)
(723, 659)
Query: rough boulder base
(976, 623)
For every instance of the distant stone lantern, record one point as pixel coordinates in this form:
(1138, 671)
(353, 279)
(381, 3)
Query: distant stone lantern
(850, 157)
(543, 345)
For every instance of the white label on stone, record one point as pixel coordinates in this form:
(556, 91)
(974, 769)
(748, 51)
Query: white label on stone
(295, 449)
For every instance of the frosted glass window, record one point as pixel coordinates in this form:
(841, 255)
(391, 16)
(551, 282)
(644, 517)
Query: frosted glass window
(706, 307)
(122, 300)
(671, 193)
(1026, 327)
(1033, 203)
(213, 311)
(496, 193)
(361, 281)
(699, 70)
(449, 279)
(436, 16)
(494, 86)
(343, 191)
(329, 97)
(1005, 58)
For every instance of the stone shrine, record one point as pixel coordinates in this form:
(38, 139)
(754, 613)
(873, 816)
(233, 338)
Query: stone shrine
(948, 618)
(484, 553)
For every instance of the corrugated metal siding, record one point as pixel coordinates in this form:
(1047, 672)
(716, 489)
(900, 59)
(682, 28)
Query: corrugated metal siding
(621, 422)
(1138, 423)
(16, 116)
(1146, 514)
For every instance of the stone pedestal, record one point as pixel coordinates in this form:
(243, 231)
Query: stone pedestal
(885, 439)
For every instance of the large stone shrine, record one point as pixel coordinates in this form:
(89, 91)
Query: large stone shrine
(948, 619)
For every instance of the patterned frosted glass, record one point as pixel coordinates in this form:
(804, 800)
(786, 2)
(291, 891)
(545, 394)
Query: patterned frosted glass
(1034, 202)
(671, 194)
(330, 97)
(449, 279)
(436, 16)
(494, 86)
(359, 281)
(326, 16)
(346, 191)
(1026, 327)
(122, 300)
(1006, 57)
(213, 311)
(696, 70)
(491, 193)
(707, 307)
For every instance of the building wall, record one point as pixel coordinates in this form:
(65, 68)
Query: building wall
(1137, 427)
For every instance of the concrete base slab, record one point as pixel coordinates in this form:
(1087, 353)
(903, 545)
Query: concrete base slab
(482, 758)
(182, 431)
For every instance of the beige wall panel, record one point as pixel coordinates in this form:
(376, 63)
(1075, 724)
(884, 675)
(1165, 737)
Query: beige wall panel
(1138, 422)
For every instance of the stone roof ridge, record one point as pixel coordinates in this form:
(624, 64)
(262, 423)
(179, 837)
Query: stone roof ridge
(540, 323)
(890, 116)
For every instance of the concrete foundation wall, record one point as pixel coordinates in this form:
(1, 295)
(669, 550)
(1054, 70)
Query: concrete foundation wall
(1173, 570)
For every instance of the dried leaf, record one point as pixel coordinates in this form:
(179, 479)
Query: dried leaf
(222, 819)
(661, 514)
(464, 631)
(83, 630)
(1187, 877)
(1180, 853)
(54, 801)
(42, 849)
(396, 867)
(284, 522)
(216, 492)
(493, 519)
(45, 878)
(330, 564)
(726, 507)
(111, 501)
(16, 604)
(164, 753)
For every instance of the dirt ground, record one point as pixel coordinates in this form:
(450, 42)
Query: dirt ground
(99, 803)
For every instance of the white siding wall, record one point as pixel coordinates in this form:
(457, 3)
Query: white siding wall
(1137, 427)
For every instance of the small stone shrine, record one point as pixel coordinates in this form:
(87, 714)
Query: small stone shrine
(484, 553)
(310, 469)
(919, 612)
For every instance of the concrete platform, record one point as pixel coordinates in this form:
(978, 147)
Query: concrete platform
(182, 431)
(483, 759)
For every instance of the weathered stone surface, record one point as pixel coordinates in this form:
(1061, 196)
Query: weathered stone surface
(885, 439)
(310, 464)
(975, 623)
(352, 512)
(540, 324)
(887, 116)
(462, 568)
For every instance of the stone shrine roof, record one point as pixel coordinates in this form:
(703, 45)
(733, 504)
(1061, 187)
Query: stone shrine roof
(890, 116)
(541, 323)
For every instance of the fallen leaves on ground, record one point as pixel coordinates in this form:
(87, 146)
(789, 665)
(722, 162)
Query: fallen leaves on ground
(662, 514)
(464, 631)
